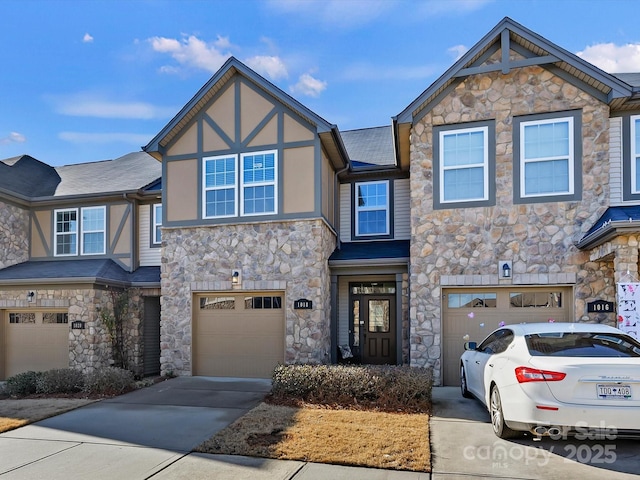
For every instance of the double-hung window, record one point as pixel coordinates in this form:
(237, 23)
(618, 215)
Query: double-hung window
(157, 224)
(258, 183)
(372, 208)
(220, 186)
(66, 232)
(93, 230)
(635, 154)
(547, 157)
(464, 165)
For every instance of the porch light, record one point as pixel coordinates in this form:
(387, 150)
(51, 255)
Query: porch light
(235, 278)
(506, 270)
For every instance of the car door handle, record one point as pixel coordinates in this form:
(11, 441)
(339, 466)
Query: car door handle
(477, 362)
(491, 365)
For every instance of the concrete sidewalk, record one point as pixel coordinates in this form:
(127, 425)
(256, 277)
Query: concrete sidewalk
(149, 434)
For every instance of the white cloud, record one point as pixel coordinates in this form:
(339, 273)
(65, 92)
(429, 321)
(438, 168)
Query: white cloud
(457, 51)
(309, 86)
(613, 58)
(87, 38)
(13, 137)
(193, 52)
(334, 13)
(96, 106)
(452, 7)
(269, 66)
(105, 138)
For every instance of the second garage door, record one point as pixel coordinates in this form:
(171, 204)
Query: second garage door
(238, 335)
(477, 312)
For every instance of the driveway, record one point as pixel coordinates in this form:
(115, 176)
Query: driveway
(464, 447)
(149, 433)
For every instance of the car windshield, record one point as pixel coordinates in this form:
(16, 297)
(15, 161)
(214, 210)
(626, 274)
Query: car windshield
(582, 344)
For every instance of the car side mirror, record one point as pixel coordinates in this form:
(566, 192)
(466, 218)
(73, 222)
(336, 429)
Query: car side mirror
(470, 345)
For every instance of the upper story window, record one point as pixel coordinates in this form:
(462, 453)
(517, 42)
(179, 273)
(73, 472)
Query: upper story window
(547, 149)
(259, 174)
(93, 230)
(250, 187)
(635, 153)
(157, 223)
(464, 165)
(220, 186)
(66, 232)
(372, 208)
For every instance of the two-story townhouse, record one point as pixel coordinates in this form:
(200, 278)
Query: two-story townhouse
(515, 153)
(69, 236)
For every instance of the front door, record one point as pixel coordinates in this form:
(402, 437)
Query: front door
(374, 322)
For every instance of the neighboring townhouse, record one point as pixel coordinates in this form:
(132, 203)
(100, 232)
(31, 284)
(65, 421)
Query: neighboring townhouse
(71, 236)
(508, 191)
(519, 156)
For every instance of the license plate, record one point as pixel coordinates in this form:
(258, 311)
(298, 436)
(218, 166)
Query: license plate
(614, 391)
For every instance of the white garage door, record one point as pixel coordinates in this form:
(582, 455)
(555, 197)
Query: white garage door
(477, 312)
(238, 335)
(35, 341)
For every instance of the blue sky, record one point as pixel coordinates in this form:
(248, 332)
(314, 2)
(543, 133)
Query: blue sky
(89, 80)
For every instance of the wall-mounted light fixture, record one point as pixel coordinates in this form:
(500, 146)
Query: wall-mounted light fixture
(236, 278)
(505, 269)
(31, 296)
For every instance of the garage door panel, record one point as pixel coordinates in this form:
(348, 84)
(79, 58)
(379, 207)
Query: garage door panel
(35, 346)
(476, 317)
(242, 342)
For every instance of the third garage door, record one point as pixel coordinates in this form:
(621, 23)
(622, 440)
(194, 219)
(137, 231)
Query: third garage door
(238, 335)
(477, 312)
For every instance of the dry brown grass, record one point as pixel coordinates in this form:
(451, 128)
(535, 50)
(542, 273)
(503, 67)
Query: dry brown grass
(397, 441)
(15, 413)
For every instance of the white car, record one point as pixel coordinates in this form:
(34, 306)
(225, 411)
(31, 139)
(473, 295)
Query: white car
(556, 379)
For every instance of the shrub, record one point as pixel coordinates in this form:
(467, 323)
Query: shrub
(387, 388)
(108, 381)
(22, 384)
(64, 380)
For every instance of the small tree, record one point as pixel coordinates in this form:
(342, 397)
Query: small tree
(114, 320)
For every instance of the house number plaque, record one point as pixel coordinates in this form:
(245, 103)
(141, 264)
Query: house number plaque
(600, 306)
(77, 325)
(302, 304)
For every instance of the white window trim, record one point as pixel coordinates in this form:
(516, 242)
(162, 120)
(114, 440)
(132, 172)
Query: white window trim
(156, 222)
(259, 184)
(206, 189)
(56, 233)
(484, 164)
(359, 209)
(632, 154)
(571, 165)
(103, 231)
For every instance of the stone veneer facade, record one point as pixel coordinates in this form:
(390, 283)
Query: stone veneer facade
(14, 235)
(89, 348)
(462, 246)
(288, 256)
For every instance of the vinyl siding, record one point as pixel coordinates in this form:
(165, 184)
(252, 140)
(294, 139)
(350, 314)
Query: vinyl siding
(615, 160)
(345, 212)
(149, 257)
(401, 210)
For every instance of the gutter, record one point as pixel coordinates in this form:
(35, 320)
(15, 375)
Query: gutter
(77, 280)
(608, 231)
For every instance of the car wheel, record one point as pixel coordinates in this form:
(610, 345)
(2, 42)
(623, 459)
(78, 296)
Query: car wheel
(463, 384)
(500, 428)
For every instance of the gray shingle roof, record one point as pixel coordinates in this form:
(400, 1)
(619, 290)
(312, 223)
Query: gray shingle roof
(130, 172)
(27, 176)
(632, 79)
(100, 270)
(372, 146)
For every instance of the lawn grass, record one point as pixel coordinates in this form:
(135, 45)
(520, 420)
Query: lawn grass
(366, 438)
(16, 413)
